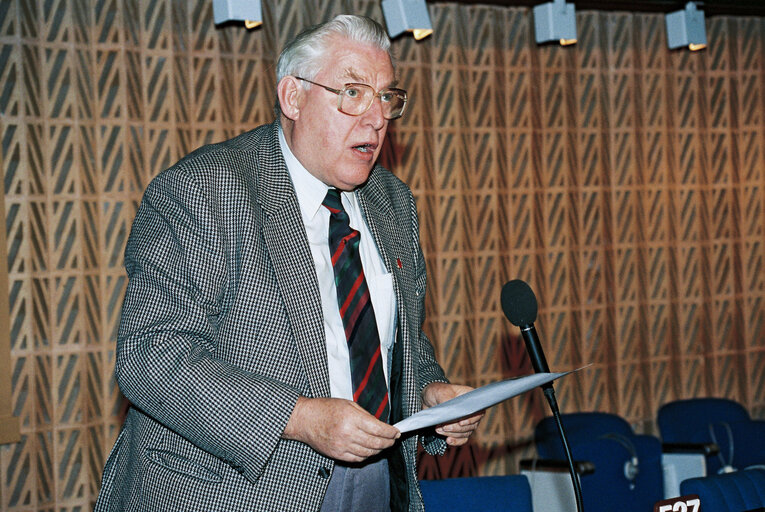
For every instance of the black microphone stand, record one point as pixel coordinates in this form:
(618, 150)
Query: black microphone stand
(520, 307)
(549, 393)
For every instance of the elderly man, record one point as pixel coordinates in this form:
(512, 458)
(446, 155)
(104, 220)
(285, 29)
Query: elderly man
(271, 333)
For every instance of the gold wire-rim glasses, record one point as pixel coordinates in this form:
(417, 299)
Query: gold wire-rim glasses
(389, 112)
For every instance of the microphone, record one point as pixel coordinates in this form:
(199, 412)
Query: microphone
(520, 307)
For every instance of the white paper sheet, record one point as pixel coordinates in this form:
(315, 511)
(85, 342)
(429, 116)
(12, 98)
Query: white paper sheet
(474, 401)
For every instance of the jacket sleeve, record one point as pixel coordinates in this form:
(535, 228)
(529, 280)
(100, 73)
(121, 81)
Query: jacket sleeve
(165, 363)
(429, 370)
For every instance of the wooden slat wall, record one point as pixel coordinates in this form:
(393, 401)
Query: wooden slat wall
(623, 181)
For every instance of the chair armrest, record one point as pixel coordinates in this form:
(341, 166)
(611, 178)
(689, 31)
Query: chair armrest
(582, 467)
(706, 449)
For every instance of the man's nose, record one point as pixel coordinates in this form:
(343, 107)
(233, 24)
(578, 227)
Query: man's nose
(375, 114)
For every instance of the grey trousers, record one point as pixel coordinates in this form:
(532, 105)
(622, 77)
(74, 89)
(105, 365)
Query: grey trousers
(358, 488)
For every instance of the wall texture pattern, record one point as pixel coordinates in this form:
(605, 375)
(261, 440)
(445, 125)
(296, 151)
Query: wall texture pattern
(623, 181)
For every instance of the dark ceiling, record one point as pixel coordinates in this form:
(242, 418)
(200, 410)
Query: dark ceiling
(710, 7)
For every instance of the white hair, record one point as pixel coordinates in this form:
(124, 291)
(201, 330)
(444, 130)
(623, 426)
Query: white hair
(303, 56)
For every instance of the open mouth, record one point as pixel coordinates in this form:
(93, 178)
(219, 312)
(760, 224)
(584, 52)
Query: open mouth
(365, 148)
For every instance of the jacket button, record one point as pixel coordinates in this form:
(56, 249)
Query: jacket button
(324, 472)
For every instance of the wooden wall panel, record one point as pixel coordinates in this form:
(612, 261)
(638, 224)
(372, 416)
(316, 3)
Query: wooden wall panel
(623, 181)
(9, 424)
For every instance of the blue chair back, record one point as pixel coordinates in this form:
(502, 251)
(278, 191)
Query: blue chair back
(607, 441)
(675, 417)
(718, 420)
(580, 427)
(509, 493)
(728, 492)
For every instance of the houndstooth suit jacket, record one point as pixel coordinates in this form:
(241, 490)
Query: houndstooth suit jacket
(222, 330)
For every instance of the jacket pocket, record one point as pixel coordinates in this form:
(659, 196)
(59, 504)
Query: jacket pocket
(180, 464)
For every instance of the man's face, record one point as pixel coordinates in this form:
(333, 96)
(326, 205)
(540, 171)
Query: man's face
(337, 148)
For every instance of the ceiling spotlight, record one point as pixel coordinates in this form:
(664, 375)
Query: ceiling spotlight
(686, 28)
(248, 11)
(555, 21)
(407, 16)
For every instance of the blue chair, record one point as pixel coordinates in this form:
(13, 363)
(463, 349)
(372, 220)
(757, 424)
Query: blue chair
(739, 491)
(625, 468)
(718, 421)
(509, 493)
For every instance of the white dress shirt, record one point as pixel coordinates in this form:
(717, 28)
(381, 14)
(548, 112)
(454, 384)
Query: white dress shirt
(310, 194)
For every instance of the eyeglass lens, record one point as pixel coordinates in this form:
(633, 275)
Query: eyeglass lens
(357, 98)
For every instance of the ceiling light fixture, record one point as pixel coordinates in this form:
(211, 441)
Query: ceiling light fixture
(407, 16)
(686, 28)
(555, 21)
(248, 11)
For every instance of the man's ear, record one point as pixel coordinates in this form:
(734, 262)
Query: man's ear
(290, 95)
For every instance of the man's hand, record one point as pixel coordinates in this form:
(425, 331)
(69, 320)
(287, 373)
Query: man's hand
(459, 432)
(339, 429)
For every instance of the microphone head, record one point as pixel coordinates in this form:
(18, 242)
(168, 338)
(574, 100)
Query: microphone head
(519, 303)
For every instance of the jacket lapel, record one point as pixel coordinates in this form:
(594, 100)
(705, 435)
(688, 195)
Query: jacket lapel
(389, 237)
(286, 241)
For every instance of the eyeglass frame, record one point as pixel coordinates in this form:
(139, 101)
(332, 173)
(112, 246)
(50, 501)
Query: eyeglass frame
(340, 96)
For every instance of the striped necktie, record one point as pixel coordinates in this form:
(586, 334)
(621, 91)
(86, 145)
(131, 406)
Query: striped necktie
(369, 388)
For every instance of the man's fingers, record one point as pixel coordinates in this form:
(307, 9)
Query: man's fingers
(464, 425)
(473, 422)
(459, 432)
(373, 426)
(455, 441)
(339, 429)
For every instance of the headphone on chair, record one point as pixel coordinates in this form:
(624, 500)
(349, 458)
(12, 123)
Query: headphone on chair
(725, 466)
(631, 465)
